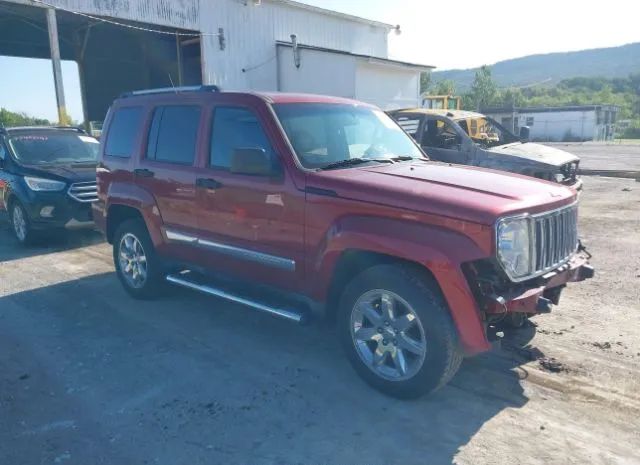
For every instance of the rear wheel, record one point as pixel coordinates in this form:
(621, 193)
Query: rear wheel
(397, 332)
(137, 265)
(20, 224)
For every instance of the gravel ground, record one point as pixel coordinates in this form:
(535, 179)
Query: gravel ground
(600, 156)
(91, 377)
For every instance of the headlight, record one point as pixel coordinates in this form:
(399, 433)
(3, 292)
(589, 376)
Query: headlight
(41, 184)
(514, 246)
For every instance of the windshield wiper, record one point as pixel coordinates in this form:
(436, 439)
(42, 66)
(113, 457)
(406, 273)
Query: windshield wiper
(404, 158)
(353, 162)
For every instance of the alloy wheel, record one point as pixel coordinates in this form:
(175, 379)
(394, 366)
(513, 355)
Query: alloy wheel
(19, 223)
(133, 260)
(388, 335)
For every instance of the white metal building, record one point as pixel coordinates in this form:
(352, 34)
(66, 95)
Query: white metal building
(265, 45)
(560, 124)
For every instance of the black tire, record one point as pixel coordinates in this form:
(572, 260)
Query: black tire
(29, 235)
(152, 286)
(443, 355)
(515, 320)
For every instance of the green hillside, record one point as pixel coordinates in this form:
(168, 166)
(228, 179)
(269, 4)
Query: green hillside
(553, 67)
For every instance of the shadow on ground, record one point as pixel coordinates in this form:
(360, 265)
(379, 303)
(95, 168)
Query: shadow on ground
(90, 376)
(46, 242)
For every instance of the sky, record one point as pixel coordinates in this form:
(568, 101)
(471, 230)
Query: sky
(459, 34)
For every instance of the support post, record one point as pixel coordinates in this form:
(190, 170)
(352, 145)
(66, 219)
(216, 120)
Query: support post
(54, 45)
(179, 58)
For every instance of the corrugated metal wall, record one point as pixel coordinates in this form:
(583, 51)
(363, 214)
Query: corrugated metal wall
(173, 13)
(249, 57)
(251, 33)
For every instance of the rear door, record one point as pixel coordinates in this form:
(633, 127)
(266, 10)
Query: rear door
(166, 169)
(250, 225)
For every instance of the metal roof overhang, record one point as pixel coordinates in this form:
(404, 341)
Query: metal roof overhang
(368, 58)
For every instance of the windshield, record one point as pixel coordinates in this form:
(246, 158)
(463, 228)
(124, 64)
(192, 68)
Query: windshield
(327, 134)
(486, 131)
(54, 147)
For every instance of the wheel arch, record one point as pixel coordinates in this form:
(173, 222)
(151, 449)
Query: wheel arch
(118, 214)
(436, 252)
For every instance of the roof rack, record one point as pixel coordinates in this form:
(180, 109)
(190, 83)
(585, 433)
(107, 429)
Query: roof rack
(169, 90)
(5, 130)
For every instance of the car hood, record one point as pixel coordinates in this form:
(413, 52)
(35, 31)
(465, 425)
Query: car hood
(67, 173)
(462, 192)
(535, 152)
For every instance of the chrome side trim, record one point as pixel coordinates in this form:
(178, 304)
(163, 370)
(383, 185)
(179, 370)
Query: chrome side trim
(250, 255)
(207, 289)
(180, 237)
(236, 252)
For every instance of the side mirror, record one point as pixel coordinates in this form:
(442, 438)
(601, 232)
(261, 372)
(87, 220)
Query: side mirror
(252, 162)
(525, 134)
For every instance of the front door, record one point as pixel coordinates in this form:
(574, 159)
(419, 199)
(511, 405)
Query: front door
(443, 141)
(250, 225)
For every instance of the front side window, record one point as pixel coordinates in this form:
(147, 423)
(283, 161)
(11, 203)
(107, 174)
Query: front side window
(173, 134)
(324, 134)
(440, 134)
(486, 131)
(53, 147)
(235, 128)
(123, 129)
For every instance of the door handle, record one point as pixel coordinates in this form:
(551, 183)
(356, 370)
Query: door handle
(143, 173)
(208, 183)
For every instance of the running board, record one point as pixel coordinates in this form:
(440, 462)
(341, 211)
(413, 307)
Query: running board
(182, 280)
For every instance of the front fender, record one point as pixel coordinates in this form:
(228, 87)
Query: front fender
(440, 250)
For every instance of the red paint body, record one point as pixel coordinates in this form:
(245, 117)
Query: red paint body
(436, 216)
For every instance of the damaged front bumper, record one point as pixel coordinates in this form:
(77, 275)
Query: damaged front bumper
(540, 295)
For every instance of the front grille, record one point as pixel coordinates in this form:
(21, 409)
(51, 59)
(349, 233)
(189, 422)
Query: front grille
(84, 191)
(555, 237)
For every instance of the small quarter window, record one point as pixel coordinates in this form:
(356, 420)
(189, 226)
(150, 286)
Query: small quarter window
(123, 130)
(409, 124)
(173, 134)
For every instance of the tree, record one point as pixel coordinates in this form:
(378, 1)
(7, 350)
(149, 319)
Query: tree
(484, 91)
(512, 97)
(425, 81)
(10, 118)
(444, 87)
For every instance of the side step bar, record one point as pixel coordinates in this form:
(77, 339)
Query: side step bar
(292, 315)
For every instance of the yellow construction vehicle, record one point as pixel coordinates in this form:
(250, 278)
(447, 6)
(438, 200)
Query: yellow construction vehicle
(441, 102)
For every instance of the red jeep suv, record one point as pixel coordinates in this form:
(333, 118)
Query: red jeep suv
(299, 205)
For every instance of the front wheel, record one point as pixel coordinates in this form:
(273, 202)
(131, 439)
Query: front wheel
(21, 225)
(137, 265)
(397, 332)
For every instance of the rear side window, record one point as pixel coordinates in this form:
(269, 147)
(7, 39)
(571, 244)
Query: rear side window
(173, 134)
(123, 130)
(234, 128)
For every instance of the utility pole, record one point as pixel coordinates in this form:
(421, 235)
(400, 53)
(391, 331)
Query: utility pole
(54, 45)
